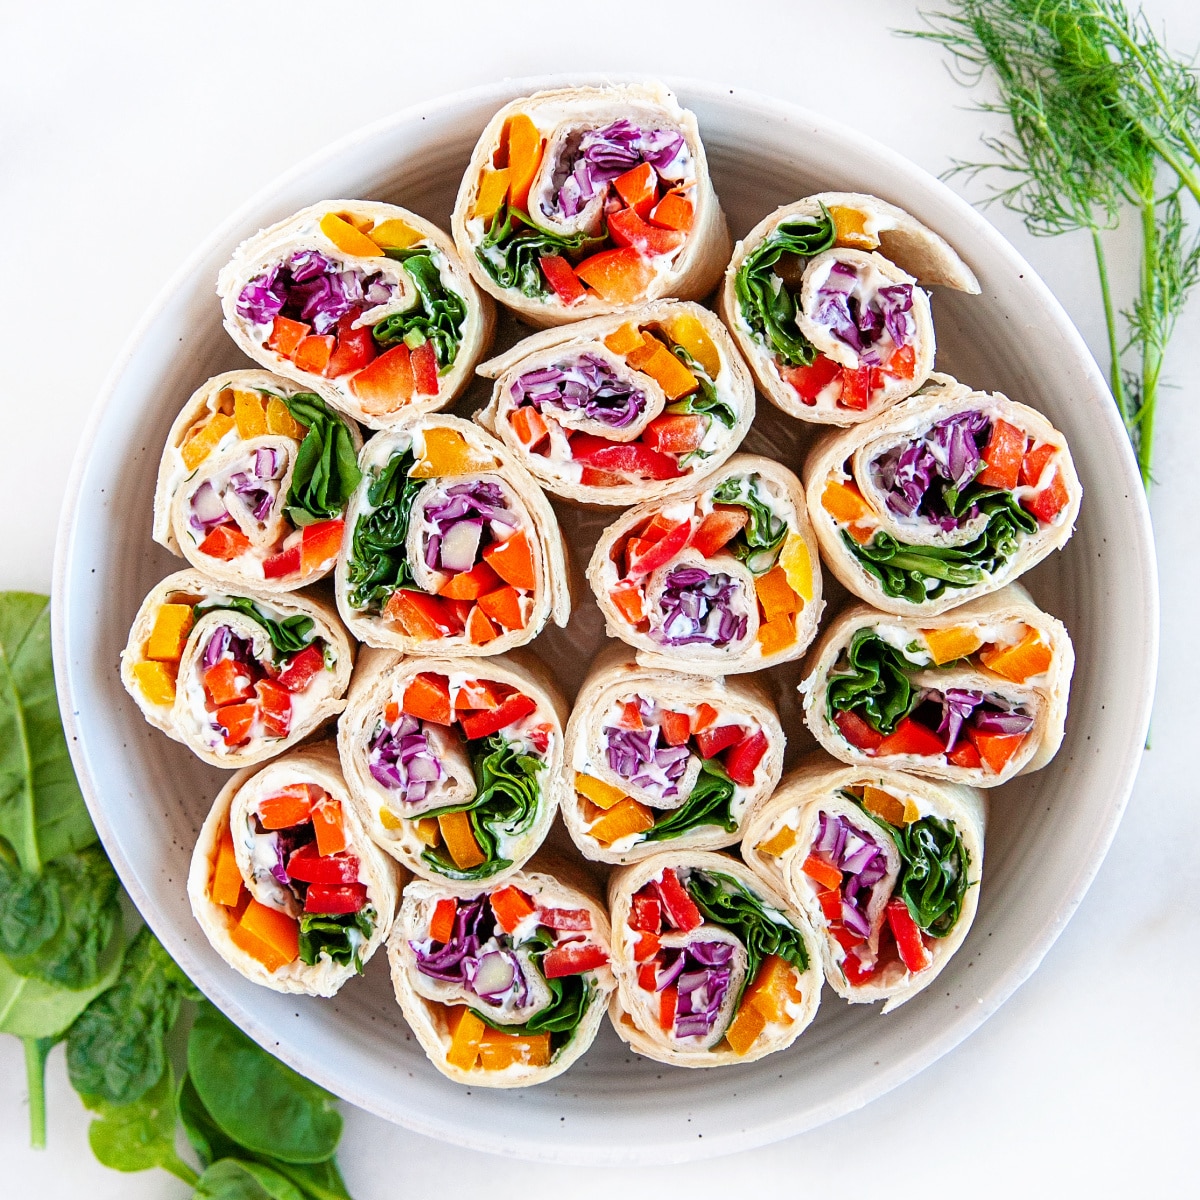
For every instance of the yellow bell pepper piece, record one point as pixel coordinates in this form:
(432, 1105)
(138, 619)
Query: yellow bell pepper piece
(204, 441)
(172, 624)
(348, 239)
(849, 228)
(686, 330)
(638, 356)
(746, 1027)
(945, 645)
(797, 566)
(661, 365)
(621, 820)
(844, 502)
(499, 1050)
(156, 681)
(466, 1032)
(493, 190)
(280, 421)
(249, 414)
(1030, 656)
(888, 807)
(624, 340)
(447, 453)
(777, 635)
(779, 843)
(428, 830)
(389, 820)
(460, 840)
(775, 594)
(601, 794)
(395, 235)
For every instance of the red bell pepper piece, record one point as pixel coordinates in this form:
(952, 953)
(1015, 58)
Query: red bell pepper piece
(511, 906)
(539, 735)
(909, 942)
(560, 275)
(647, 976)
(857, 732)
(227, 682)
(590, 477)
(810, 382)
(676, 728)
(705, 716)
(830, 901)
(309, 866)
(300, 671)
(427, 698)
(631, 457)
(225, 542)
(858, 385)
(678, 905)
(313, 353)
(824, 873)
(995, 749)
(529, 425)
(964, 755)
(626, 228)
(234, 721)
(423, 616)
(276, 705)
(386, 382)
(569, 919)
(286, 335)
(1034, 463)
(441, 926)
(1049, 502)
(425, 369)
(573, 959)
(644, 560)
(335, 899)
(668, 998)
(630, 603)
(638, 188)
(484, 724)
(1003, 456)
(673, 211)
(742, 760)
(903, 363)
(619, 276)
(844, 937)
(504, 607)
(711, 742)
(291, 805)
(719, 528)
(856, 974)
(320, 543)
(328, 826)
(646, 947)
(676, 433)
(646, 913)
(911, 738)
(286, 562)
(354, 350)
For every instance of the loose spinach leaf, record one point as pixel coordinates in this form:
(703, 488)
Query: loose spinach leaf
(30, 907)
(378, 561)
(237, 1179)
(707, 804)
(506, 799)
(326, 470)
(90, 912)
(724, 901)
(288, 636)
(918, 573)
(934, 879)
(42, 814)
(759, 543)
(874, 683)
(438, 319)
(510, 251)
(115, 1050)
(256, 1099)
(331, 935)
(704, 399)
(766, 304)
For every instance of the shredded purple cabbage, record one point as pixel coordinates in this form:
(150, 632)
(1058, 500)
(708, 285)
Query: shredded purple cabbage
(224, 641)
(857, 854)
(962, 709)
(400, 759)
(587, 383)
(862, 326)
(605, 154)
(635, 755)
(698, 607)
(207, 508)
(457, 516)
(701, 971)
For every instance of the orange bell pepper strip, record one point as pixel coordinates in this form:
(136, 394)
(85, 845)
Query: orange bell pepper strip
(511, 906)
(313, 353)
(1030, 656)
(638, 188)
(512, 560)
(673, 211)
(226, 887)
(996, 749)
(719, 528)
(480, 630)
(525, 147)
(623, 819)
(822, 872)
(427, 698)
(504, 607)
(291, 805)
(844, 502)
(529, 425)
(460, 840)
(286, 335)
(743, 1031)
(267, 935)
(328, 826)
(619, 276)
(466, 1034)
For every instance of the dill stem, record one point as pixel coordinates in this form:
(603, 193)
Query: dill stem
(1110, 322)
(1151, 350)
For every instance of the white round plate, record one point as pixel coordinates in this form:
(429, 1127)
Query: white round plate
(1048, 832)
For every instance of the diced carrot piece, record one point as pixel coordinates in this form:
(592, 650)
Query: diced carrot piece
(281, 421)
(291, 805)
(775, 594)
(676, 433)
(348, 239)
(529, 425)
(286, 335)
(1031, 656)
(601, 794)
(624, 339)
(630, 603)
(995, 749)
(525, 147)
(172, 624)
(675, 726)
(705, 716)
(504, 607)
(460, 840)
(512, 560)
(773, 989)
(226, 543)
(744, 1030)
(638, 188)
(427, 698)
(1003, 455)
(320, 543)
(156, 680)
(673, 211)
(202, 443)
(387, 382)
(825, 873)
(267, 935)
(621, 820)
(511, 906)
(234, 721)
(1034, 464)
(500, 1050)
(946, 645)
(844, 502)
(777, 635)
(313, 353)
(779, 843)
(226, 886)
(329, 827)
(1049, 502)
(618, 276)
(441, 925)
(493, 191)
(470, 585)
(466, 1033)
(560, 275)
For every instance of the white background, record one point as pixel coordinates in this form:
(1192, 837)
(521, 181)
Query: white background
(128, 131)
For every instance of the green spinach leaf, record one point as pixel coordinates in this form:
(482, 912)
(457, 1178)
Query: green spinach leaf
(934, 879)
(30, 907)
(326, 470)
(705, 399)
(511, 248)
(334, 936)
(874, 683)
(378, 560)
(439, 317)
(708, 804)
(759, 543)
(236, 1179)
(766, 303)
(288, 636)
(257, 1100)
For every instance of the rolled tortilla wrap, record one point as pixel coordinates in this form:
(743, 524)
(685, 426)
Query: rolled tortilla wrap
(236, 676)
(367, 304)
(505, 986)
(713, 965)
(947, 496)
(254, 480)
(450, 545)
(613, 200)
(722, 578)
(886, 866)
(623, 408)
(976, 695)
(822, 298)
(454, 767)
(276, 897)
(661, 760)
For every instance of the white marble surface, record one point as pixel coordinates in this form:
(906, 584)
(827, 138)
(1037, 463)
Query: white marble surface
(130, 130)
